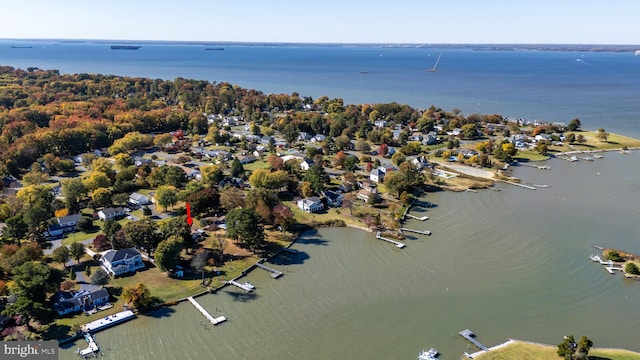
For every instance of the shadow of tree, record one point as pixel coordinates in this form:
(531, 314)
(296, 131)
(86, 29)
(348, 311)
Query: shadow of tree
(598, 358)
(286, 258)
(161, 312)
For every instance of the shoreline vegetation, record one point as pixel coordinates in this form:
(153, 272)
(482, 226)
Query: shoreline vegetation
(525, 350)
(189, 124)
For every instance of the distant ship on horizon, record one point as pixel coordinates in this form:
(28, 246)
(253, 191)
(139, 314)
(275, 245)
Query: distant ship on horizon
(125, 47)
(214, 48)
(21, 47)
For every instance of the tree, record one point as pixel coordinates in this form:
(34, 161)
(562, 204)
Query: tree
(146, 211)
(581, 139)
(317, 177)
(631, 268)
(143, 234)
(101, 242)
(231, 197)
(200, 260)
(138, 296)
(204, 201)
(35, 176)
(283, 216)
(61, 255)
(167, 254)
(100, 277)
(570, 138)
(76, 250)
(96, 180)
(574, 125)
(363, 145)
(177, 226)
(275, 162)
(567, 348)
(398, 158)
(237, 170)
(166, 195)
(602, 135)
(339, 159)
(244, 225)
(15, 229)
(584, 345)
(123, 161)
(31, 283)
(73, 191)
(101, 197)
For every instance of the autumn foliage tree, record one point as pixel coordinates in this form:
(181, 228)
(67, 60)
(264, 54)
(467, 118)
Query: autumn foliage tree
(137, 296)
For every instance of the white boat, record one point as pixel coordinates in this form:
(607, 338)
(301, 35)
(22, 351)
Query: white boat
(430, 354)
(434, 68)
(249, 285)
(573, 158)
(597, 156)
(595, 258)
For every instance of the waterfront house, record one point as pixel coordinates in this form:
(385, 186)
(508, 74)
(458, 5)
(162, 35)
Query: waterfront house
(110, 213)
(67, 302)
(139, 199)
(311, 204)
(334, 199)
(118, 262)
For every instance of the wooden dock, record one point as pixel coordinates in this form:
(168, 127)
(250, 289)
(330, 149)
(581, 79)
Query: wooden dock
(422, 232)
(92, 350)
(214, 321)
(247, 286)
(398, 244)
(108, 321)
(422, 218)
(274, 273)
(471, 337)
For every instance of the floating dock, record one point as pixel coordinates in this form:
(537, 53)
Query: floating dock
(422, 218)
(213, 320)
(398, 244)
(108, 321)
(471, 337)
(423, 232)
(274, 273)
(92, 350)
(247, 286)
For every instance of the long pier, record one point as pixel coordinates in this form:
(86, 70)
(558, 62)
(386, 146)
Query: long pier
(247, 286)
(422, 218)
(108, 321)
(423, 232)
(274, 273)
(469, 335)
(398, 244)
(214, 321)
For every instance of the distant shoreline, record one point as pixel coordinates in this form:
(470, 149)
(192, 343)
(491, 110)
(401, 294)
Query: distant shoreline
(471, 46)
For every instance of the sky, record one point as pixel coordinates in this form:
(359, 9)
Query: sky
(328, 21)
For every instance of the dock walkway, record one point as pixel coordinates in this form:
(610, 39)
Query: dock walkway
(423, 232)
(421, 218)
(398, 244)
(108, 321)
(92, 350)
(247, 286)
(214, 321)
(469, 335)
(274, 273)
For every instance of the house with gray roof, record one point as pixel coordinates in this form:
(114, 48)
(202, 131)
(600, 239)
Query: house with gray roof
(118, 262)
(311, 204)
(67, 302)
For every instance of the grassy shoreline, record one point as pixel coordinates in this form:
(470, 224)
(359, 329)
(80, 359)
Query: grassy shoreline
(525, 350)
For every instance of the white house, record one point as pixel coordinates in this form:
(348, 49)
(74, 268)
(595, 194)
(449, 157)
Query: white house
(138, 199)
(311, 205)
(118, 262)
(69, 222)
(376, 175)
(110, 213)
(306, 164)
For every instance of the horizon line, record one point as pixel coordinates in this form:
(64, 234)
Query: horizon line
(228, 42)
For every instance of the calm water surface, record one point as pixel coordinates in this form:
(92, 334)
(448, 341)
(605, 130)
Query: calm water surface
(508, 264)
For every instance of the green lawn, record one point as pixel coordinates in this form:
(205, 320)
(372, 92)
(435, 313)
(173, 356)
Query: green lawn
(528, 351)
